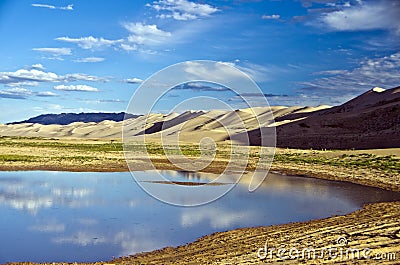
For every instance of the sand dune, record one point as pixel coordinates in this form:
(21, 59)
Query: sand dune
(371, 120)
(191, 125)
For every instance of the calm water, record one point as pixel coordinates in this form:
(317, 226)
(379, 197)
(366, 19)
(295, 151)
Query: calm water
(64, 216)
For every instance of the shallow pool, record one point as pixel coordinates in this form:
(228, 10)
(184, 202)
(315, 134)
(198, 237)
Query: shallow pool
(66, 216)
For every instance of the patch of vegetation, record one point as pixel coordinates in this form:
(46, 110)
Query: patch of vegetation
(98, 147)
(99, 151)
(385, 163)
(18, 158)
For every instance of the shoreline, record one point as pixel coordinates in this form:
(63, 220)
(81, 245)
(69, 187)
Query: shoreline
(166, 166)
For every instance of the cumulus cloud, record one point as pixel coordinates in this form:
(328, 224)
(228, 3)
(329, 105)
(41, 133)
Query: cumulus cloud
(15, 93)
(143, 34)
(90, 60)
(68, 7)
(382, 72)
(363, 16)
(134, 80)
(84, 88)
(33, 76)
(23, 75)
(89, 42)
(38, 66)
(54, 51)
(182, 9)
(23, 93)
(271, 16)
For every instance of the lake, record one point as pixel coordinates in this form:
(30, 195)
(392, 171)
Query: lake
(82, 217)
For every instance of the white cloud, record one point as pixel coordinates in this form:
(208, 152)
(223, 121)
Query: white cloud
(23, 75)
(212, 71)
(382, 72)
(54, 51)
(38, 66)
(19, 83)
(142, 34)
(32, 76)
(90, 60)
(15, 93)
(44, 6)
(331, 72)
(257, 72)
(134, 80)
(271, 16)
(89, 42)
(364, 16)
(129, 47)
(84, 88)
(46, 94)
(182, 9)
(68, 7)
(82, 77)
(23, 93)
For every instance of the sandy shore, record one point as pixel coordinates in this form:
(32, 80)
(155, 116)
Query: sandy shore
(375, 227)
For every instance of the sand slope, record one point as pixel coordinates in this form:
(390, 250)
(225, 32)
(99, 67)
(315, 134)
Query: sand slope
(371, 120)
(190, 126)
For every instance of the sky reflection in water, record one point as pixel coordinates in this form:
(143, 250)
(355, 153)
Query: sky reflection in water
(65, 216)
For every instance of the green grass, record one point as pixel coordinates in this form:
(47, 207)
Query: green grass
(101, 147)
(18, 158)
(385, 163)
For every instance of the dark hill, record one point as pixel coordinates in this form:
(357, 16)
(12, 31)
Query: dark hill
(371, 120)
(67, 118)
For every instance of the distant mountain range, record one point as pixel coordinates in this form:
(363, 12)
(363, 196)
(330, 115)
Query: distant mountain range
(371, 120)
(68, 118)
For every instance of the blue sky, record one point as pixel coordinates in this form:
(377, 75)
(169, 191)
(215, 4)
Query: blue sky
(91, 56)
